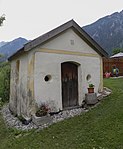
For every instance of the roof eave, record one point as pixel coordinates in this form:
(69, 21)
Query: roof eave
(91, 41)
(21, 51)
(46, 37)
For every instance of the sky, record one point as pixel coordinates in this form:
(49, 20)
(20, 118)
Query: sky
(32, 18)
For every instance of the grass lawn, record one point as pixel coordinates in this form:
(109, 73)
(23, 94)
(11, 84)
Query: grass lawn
(100, 128)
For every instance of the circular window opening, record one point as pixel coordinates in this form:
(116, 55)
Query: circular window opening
(47, 78)
(88, 78)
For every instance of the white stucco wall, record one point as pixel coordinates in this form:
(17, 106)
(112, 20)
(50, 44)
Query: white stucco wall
(48, 62)
(13, 93)
(23, 84)
(18, 92)
(63, 42)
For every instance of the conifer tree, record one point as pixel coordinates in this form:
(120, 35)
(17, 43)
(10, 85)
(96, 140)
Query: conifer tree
(2, 18)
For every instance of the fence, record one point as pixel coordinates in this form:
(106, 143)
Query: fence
(110, 62)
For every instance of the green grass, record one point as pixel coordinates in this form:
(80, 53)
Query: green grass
(100, 128)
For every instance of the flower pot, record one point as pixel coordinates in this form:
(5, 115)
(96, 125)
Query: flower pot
(91, 90)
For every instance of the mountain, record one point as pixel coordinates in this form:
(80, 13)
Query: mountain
(107, 31)
(2, 43)
(11, 47)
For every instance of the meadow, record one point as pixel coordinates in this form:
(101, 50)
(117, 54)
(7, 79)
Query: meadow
(99, 128)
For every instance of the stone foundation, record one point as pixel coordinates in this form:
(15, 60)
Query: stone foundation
(91, 98)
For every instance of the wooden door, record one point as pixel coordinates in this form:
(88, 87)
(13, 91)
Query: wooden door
(69, 79)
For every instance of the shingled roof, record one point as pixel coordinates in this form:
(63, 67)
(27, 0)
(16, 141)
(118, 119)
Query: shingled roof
(48, 36)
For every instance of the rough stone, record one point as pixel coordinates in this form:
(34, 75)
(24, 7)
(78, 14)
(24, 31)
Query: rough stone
(41, 120)
(12, 121)
(91, 98)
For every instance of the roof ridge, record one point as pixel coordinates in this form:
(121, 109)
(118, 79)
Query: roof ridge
(56, 31)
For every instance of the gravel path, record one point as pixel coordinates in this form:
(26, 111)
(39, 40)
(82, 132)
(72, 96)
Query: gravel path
(12, 121)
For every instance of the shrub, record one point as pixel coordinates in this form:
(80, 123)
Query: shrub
(4, 81)
(42, 110)
(1, 104)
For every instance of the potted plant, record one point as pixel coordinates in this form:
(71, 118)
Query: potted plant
(42, 115)
(91, 88)
(42, 110)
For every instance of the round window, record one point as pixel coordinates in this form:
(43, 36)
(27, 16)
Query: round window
(47, 78)
(88, 78)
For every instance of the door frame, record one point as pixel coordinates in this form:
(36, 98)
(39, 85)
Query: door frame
(79, 79)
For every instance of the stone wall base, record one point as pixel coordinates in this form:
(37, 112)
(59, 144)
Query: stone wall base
(91, 98)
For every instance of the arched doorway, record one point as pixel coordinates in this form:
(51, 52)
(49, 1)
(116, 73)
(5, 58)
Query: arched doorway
(69, 79)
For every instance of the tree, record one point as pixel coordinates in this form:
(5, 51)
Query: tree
(2, 18)
(115, 51)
